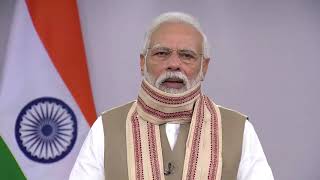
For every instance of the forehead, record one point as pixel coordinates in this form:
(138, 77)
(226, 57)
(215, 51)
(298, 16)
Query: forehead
(176, 35)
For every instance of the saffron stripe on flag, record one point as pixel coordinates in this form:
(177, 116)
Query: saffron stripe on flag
(43, 121)
(9, 168)
(58, 26)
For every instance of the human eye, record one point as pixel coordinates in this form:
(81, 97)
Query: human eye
(187, 55)
(161, 52)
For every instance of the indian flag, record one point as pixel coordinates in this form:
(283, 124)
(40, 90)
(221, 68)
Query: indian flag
(46, 103)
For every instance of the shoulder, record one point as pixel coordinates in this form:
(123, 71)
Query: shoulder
(116, 115)
(227, 113)
(122, 109)
(233, 122)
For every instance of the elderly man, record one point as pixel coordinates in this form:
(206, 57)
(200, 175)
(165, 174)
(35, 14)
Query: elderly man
(172, 130)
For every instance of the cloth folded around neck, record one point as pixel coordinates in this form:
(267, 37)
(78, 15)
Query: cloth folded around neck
(203, 158)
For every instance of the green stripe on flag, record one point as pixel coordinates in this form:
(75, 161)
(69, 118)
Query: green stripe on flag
(9, 168)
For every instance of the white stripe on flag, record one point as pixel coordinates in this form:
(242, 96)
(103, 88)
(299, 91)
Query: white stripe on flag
(29, 74)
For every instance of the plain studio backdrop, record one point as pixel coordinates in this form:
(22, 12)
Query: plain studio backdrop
(265, 61)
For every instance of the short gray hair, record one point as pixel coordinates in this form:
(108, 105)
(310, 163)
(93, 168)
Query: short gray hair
(178, 17)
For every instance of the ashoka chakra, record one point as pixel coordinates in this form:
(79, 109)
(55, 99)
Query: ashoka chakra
(46, 129)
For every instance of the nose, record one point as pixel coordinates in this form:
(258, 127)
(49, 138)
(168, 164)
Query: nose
(174, 62)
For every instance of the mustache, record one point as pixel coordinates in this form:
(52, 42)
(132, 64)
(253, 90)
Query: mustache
(172, 75)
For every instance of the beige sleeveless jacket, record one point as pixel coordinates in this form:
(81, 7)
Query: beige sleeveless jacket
(115, 154)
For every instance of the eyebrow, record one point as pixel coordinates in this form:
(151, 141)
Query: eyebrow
(157, 45)
(160, 45)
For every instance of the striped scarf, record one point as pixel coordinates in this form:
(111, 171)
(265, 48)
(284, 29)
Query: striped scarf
(203, 158)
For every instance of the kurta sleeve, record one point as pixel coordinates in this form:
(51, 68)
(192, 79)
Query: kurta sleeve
(253, 164)
(90, 161)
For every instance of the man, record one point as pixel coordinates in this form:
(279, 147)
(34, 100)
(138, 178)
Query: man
(172, 130)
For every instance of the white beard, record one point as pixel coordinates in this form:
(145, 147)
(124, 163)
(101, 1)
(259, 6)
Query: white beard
(157, 82)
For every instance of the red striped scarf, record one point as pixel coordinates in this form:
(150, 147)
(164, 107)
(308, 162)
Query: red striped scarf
(203, 158)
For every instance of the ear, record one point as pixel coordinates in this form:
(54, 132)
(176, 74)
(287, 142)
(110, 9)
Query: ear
(142, 61)
(205, 66)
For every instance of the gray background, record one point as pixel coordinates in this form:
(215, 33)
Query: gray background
(265, 60)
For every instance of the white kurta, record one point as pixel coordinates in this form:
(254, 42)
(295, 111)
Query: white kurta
(90, 162)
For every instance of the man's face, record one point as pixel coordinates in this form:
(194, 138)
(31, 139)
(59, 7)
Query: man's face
(174, 58)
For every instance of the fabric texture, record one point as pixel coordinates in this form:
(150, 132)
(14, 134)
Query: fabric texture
(114, 132)
(203, 156)
(92, 160)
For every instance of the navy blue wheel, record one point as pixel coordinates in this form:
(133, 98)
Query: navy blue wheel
(46, 130)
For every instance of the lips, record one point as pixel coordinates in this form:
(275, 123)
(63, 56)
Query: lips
(175, 83)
